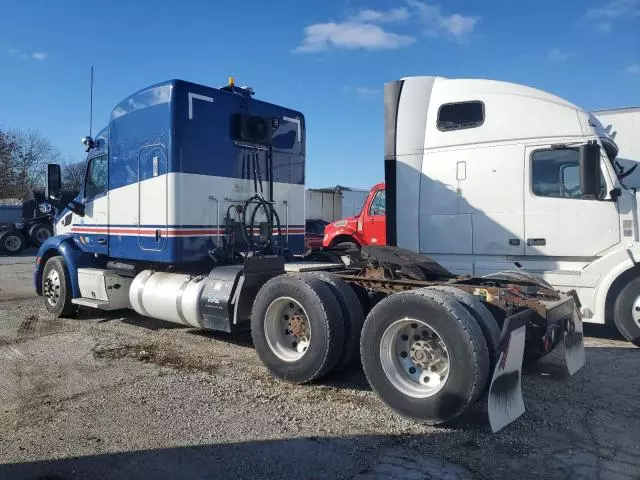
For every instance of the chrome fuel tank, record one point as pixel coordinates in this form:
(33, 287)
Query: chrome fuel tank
(173, 297)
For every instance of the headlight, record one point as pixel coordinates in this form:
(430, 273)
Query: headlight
(44, 207)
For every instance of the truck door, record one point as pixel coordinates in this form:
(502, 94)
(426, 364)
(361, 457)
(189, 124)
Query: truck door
(152, 198)
(559, 221)
(93, 228)
(373, 222)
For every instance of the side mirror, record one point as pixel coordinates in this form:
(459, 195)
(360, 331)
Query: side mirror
(53, 182)
(615, 194)
(590, 180)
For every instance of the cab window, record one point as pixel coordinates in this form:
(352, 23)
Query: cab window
(96, 180)
(378, 204)
(556, 173)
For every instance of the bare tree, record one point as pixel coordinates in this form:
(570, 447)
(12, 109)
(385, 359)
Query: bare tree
(31, 153)
(7, 174)
(73, 175)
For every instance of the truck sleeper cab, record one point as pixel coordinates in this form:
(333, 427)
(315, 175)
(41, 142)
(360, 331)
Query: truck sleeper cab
(189, 214)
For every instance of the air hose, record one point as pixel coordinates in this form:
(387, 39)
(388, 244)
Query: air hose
(248, 228)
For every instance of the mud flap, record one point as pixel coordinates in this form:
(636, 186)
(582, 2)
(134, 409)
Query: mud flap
(574, 343)
(505, 394)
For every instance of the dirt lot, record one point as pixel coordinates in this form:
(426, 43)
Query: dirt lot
(127, 397)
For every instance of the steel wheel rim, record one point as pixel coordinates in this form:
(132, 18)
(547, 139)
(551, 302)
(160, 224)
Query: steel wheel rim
(51, 288)
(635, 311)
(414, 358)
(12, 243)
(42, 234)
(287, 329)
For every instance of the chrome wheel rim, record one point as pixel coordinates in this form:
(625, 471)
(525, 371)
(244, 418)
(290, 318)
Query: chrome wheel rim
(12, 243)
(287, 329)
(51, 288)
(635, 311)
(414, 358)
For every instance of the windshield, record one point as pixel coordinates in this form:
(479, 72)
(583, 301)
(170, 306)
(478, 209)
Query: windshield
(610, 147)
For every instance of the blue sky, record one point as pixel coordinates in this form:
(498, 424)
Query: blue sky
(328, 59)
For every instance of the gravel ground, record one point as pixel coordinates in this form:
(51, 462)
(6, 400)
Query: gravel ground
(120, 396)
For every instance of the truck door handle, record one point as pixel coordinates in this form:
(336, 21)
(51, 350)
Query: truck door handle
(536, 242)
(102, 241)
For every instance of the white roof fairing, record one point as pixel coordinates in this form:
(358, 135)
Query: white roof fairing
(512, 112)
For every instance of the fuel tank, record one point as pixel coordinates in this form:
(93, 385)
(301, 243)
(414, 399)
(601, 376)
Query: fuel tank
(173, 297)
(221, 300)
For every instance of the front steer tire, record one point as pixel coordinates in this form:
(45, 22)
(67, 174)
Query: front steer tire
(466, 346)
(59, 305)
(325, 320)
(626, 310)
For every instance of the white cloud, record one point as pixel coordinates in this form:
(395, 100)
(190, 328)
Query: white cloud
(603, 27)
(40, 56)
(615, 9)
(368, 92)
(350, 35)
(17, 53)
(362, 30)
(436, 23)
(372, 16)
(605, 15)
(633, 69)
(557, 56)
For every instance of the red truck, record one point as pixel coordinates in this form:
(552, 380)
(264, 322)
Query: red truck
(367, 228)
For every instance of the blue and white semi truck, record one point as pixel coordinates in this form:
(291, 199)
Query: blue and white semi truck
(192, 212)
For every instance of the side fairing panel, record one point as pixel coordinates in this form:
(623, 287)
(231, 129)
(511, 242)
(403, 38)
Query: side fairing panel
(408, 130)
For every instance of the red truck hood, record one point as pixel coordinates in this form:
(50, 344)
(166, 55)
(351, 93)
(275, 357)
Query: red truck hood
(349, 223)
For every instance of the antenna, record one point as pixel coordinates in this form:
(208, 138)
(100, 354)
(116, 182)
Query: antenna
(91, 105)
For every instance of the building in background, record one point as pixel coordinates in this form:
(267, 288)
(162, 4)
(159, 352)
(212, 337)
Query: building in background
(333, 203)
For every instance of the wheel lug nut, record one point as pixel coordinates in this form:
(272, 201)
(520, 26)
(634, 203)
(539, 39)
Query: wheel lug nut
(403, 354)
(412, 370)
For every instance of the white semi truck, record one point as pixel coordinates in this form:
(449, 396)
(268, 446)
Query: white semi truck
(483, 175)
(192, 211)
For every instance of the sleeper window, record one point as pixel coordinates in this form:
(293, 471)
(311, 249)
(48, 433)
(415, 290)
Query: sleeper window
(457, 116)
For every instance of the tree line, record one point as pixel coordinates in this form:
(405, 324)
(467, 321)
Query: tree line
(24, 155)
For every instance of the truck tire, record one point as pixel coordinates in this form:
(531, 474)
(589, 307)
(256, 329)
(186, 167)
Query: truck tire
(39, 232)
(12, 242)
(626, 311)
(405, 362)
(297, 327)
(346, 246)
(522, 276)
(56, 288)
(483, 317)
(353, 319)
